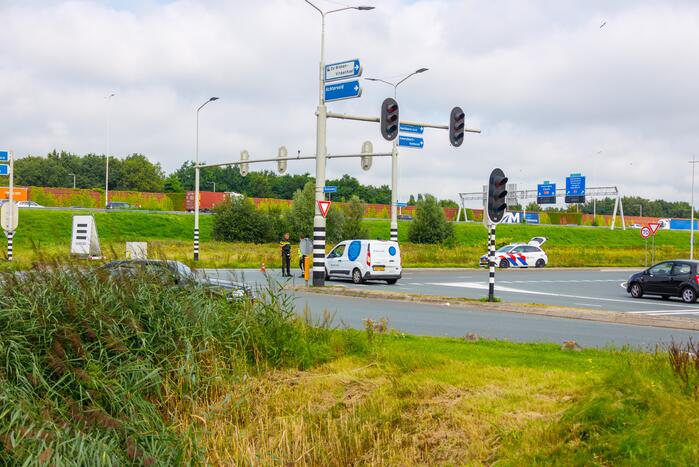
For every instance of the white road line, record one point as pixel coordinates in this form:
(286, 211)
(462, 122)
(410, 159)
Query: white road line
(484, 286)
(666, 312)
(588, 304)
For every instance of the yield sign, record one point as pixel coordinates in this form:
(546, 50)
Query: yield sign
(324, 206)
(653, 227)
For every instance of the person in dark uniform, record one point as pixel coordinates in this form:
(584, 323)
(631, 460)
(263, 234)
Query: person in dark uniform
(285, 247)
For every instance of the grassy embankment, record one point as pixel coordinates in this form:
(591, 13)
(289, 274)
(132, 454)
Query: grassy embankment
(136, 372)
(48, 232)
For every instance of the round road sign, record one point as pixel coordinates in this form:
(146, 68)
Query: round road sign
(645, 232)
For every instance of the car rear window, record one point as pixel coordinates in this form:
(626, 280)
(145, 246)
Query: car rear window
(682, 268)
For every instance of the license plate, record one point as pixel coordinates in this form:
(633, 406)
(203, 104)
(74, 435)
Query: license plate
(379, 268)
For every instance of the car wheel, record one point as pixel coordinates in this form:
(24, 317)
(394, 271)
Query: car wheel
(636, 290)
(689, 295)
(540, 263)
(357, 276)
(504, 263)
(391, 281)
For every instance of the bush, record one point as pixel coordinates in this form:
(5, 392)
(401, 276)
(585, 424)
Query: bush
(354, 212)
(430, 224)
(300, 216)
(236, 219)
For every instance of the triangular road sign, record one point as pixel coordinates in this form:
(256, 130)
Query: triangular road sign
(324, 206)
(653, 227)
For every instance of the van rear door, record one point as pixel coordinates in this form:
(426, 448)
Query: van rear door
(385, 257)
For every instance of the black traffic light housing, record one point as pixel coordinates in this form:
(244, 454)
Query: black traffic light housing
(389, 119)
(496, 196)
(457, 125)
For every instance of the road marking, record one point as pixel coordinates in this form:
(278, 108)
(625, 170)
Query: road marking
(588, 304)
(666, 312)
(484, 286)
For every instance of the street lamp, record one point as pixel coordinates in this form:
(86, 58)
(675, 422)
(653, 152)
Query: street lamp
(73, 180)
(196, 185)
(640, 210)
(214, 184)
(321, 153)
(109, 143)
(691, 225)
(394, 159)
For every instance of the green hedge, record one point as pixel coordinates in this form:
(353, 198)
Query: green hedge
(178, 200)
(80, 198)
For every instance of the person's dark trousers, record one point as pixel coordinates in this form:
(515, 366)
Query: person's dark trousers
(286, 265)
(302, 263)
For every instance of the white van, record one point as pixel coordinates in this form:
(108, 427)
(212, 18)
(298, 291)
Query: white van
(362, 260)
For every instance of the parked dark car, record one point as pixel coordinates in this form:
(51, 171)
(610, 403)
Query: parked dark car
(118, 205)
(179, 274)
(676, 278)
(404, 217)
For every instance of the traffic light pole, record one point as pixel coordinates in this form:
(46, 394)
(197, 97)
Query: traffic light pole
(491, 263)
(394, 192)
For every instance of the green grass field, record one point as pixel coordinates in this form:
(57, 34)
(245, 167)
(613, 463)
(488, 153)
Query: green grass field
(48, 233)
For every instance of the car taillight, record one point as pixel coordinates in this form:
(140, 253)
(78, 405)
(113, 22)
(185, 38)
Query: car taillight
(696, 278)
(368, 255)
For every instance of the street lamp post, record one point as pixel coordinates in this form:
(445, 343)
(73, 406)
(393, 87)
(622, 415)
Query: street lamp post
(73, 180)
(321, 153)
(109, 149)
(394, 159)
(214, 184)
(196, 184)
(691, 225)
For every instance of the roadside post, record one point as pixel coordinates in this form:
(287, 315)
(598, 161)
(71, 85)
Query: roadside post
(496, 207)
(10, 213)
(645, 233)
(653, 227)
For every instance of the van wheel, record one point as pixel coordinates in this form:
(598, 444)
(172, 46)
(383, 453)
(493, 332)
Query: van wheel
(391, 281)
(540, 263)
(504, 264)
(689, 295)
(357, 276)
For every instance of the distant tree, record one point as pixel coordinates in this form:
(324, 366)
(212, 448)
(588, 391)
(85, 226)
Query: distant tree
(419, 197)
(137, 173)
(411, 201)
(236, 219)
(532, 207)
(173, 184)
(354, 213)
(430, 224)
(448, 203)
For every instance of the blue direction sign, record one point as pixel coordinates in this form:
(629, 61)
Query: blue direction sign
(411, 142)
(329, 189)
(575, 189)
(405, 128)
(343, 70)
(402, 205)
(546, 193)
(4, 156)
(339, 91)
(4, 169)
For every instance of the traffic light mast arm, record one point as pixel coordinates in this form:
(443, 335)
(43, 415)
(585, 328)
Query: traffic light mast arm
(277, 159)
(378, 120)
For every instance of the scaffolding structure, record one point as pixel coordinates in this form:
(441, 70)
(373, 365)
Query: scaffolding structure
(514, 196)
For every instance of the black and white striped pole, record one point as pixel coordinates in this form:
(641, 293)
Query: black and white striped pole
(9, 245)
(491, 263)
(495, 210)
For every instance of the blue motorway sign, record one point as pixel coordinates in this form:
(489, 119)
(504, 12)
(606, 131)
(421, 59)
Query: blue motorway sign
(575, 189)
(340, 91)
(546, 193)
(329, 189)
(343, 70)
(417, 129)
(4, 169)
(411, 142)
(4, 156)
(401, 205)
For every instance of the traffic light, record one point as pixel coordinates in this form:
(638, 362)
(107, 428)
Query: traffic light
(368, 149)
(496, 196)
(457, 124)
(282, 154)
(389, 119)
(244, 167)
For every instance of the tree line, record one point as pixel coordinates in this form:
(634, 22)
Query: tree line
(633, 206)
(136, 173)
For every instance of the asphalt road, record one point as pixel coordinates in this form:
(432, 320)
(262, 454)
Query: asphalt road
(593, 289)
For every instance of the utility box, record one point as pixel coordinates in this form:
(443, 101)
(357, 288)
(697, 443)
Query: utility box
(136, 250)
(84, 241)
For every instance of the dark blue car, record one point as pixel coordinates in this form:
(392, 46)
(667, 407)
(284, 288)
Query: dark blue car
(675, 278)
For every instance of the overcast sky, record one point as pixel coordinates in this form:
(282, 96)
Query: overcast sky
(552, 91)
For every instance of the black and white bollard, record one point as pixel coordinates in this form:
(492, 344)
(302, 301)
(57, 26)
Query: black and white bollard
(491, 263)
(318, 256)
(9, 245)
(196, 244)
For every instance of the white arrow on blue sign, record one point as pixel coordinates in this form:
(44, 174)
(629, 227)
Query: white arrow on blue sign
(411, 142)
(343, 70)
(417, 129)
(340, 91)
(4, 156)
(4, 169)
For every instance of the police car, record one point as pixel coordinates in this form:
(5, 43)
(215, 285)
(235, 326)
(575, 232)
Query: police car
(520, 255)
